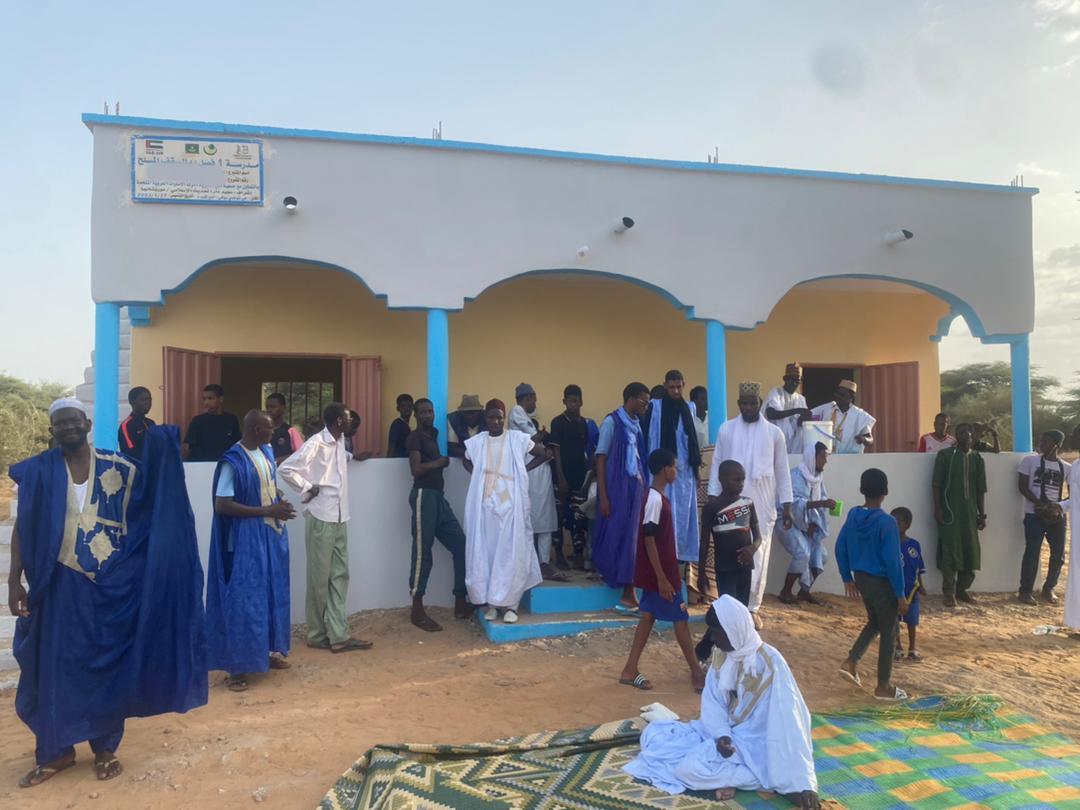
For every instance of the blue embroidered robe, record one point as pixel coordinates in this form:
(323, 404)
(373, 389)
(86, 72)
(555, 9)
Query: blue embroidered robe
(683, 492)
(115, 594)
(247, 577)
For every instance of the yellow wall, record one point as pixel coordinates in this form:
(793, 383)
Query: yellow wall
(843, 329)
(549, 331)
(293, 311)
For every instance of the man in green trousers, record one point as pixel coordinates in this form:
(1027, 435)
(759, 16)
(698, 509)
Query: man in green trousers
(319, 472)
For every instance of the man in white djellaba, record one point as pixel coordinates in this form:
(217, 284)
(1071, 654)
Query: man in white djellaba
(754, 729)
(500, 560)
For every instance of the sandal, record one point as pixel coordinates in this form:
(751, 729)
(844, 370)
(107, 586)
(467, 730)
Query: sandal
(427, 624)
(279, 662)
(787, 599)
(850, 677)
(809, 598)
(898, 696)
(108, 768)
(236, 683)
(898, 654)
(352, 644)
(639, 682)
(43, 773)
(319, 645)
(914, 656)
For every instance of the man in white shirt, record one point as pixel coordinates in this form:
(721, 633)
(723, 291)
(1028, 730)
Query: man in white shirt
(319, 472)
(786, 408)
(852, 427)
(759, 446)
(1042, 483)
(699, 408)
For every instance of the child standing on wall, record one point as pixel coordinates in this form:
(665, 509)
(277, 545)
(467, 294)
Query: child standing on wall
(914, 570)
(656, 572)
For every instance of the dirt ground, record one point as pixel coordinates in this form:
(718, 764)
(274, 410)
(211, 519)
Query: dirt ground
(294, 732)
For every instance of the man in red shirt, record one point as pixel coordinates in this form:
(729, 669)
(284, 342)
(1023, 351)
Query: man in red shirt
(656, 572)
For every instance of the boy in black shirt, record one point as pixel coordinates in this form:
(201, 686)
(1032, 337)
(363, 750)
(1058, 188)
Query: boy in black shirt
(210, 434)
(730, 522)
(574, 439)
(432, 517)
(132, 430)
(400, 428)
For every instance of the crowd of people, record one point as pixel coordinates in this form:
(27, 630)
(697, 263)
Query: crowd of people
(112, 534)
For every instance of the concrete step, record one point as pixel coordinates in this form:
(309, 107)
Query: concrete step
(6, 530)
(553, 625)
(580, 594)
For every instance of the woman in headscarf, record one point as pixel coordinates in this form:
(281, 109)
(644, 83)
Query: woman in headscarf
(754, 729)
(805, 540)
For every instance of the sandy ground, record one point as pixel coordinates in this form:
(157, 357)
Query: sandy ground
(294, 732)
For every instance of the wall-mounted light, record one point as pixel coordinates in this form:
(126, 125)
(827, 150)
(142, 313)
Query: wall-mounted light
(896, 237)
(290, 204)
(625, 224)
(583, 251)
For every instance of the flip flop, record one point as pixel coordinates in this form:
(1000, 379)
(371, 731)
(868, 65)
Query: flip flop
(278, 662)
(319, 645)
(898, 696)
(109, 769)
(427, 624)
(787, 600)
(630, 611)
(237, 684)
(351, 645)
(42, 773)
(639, 682)
(855, 679)
(914, 656)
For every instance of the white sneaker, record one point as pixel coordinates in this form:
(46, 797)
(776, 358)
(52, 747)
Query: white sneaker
(510, 617)
(491, 614)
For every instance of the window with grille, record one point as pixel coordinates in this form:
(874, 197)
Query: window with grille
(304, 402)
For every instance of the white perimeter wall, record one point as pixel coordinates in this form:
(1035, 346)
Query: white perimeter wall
(379, 538)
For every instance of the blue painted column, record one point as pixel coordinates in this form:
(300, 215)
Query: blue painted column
(438, 369)
(106, 374)
(716, 362)
(1020, 358)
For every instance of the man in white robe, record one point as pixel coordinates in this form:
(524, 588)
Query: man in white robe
(1071, 507)
(786, 408)
(754, 729)
(852, 427)
(500, 559)
(759, 446)
(543, 510)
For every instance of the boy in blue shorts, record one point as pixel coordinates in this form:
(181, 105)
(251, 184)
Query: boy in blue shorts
(656, 573)
(914, 569)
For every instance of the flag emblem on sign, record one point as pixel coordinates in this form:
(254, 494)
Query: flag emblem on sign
(155, 146)
(210, 149)
(191, 149)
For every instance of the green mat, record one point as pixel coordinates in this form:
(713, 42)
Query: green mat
(933, 753)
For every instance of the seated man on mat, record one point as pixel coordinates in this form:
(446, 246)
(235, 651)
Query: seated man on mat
(754, 729)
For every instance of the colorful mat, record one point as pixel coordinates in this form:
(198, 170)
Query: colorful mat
(934, 753)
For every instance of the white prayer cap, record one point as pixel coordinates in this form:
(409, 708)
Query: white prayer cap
(67, 402)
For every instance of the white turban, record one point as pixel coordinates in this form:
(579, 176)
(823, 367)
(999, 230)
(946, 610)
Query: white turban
(739, 626)
(67, 402)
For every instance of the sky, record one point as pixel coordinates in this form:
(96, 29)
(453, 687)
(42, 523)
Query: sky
(965, 89)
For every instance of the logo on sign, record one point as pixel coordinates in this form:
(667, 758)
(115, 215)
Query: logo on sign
(154, 147)
(210, 149)
(243, 150)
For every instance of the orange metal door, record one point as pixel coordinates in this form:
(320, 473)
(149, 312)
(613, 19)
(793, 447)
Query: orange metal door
(186, 373)
(361, 390)
(890, 392)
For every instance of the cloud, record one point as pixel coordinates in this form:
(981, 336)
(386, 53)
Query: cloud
(1065, 66)
(1035, 169)
(1060, 16)
(1063, 257)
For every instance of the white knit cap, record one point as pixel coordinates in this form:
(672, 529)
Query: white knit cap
(66, 402)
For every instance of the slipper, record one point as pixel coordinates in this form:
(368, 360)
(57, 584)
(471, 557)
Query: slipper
(855, 679)
(914, 656)
(319, 645)
(898, 696)
(42, 773)
(352, 644)
(510, 617)
(427, 624)
(109, 769)
(279, 662)
(787, 600)
(898, 654)
(630, 611)
(491, 614)
(237, 684)
(639, 682)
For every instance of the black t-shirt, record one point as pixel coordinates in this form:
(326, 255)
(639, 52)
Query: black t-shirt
(571, 436)
(427, 445)
(399, 432)
(132, 434)
(281, 442)
(731, 522)
(210, 434)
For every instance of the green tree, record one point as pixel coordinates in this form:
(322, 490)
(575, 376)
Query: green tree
(24, 417)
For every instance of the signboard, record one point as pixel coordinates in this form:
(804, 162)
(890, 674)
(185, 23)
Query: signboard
(210, 171)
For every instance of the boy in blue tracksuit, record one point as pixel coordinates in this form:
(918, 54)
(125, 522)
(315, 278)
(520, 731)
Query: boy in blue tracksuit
(868, 556)
(914, 569)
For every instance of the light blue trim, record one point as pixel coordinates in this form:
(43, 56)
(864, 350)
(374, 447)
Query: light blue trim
(1020, 360)
(716, 374)
(499, 633)
(106, 374)
(139, 315)
(438, 369)
(92, 119)
(136, 198)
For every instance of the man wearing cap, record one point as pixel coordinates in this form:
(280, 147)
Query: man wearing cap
(112, 626)
(759, 446)
(544, 514)
(463, 424)
(852, 426)
(786, 408)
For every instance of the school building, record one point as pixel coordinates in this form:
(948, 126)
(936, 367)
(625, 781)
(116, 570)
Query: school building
(357, 267)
